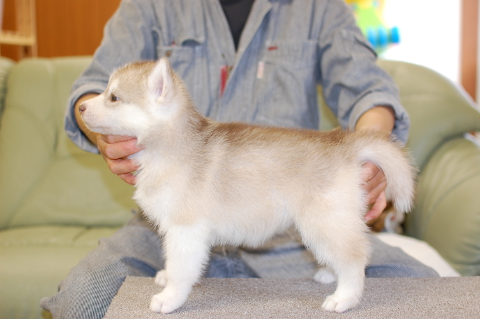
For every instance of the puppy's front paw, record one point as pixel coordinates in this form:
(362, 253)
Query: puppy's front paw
(325, 276)
(338, 303)
(161, 278)
(168, 300)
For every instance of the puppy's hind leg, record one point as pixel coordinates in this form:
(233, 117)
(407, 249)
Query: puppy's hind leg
(325, 275)
(186, 253)
(351, 276)
(337, 238)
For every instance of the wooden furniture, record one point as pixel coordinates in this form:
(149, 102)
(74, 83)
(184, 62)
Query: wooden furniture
(25, 34)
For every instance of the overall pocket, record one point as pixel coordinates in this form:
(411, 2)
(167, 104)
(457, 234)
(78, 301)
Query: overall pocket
(184, 58)
(286, 89)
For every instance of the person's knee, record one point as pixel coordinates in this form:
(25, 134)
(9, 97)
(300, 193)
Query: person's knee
(91, 285)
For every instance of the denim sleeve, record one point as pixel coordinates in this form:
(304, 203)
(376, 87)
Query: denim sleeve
(352, 82)
(128, 36)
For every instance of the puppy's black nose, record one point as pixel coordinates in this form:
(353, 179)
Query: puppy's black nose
(82, 108)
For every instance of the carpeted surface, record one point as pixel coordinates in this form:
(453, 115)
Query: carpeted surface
(302, 298)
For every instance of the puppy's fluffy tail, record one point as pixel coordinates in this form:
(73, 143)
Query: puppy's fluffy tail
(397, 165)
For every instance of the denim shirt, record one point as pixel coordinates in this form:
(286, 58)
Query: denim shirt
(286, 49)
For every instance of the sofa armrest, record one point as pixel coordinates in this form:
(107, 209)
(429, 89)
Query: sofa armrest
(439, 109)
(447, 210)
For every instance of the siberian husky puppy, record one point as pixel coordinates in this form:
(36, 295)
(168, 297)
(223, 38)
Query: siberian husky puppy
(205, 183)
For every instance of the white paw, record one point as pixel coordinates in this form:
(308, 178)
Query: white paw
(168, 300)
(161, 278)
(339, 304)
(325, 276)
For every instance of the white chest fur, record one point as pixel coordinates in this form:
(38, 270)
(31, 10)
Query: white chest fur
(160, 187)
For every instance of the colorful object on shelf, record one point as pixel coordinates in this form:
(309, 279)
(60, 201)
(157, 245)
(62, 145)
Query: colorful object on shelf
(369, 19)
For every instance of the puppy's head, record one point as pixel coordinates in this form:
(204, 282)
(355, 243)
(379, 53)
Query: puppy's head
(138, 96)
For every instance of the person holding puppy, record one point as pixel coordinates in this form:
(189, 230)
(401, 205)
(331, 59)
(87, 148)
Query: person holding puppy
(242, 60)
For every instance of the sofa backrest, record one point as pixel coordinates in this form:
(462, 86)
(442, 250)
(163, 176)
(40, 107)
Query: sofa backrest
(44, 177)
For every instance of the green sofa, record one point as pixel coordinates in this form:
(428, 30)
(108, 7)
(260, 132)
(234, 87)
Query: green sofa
(56, 200)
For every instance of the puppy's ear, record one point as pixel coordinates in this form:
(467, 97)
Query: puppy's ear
(159, 81)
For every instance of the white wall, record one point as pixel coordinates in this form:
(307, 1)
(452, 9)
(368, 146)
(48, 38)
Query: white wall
(429, 33)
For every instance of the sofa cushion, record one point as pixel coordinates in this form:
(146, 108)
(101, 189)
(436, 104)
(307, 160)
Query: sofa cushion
(35, 259)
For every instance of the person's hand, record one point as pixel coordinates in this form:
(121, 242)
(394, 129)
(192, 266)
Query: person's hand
(379, 118)
(115, 150)
(374, 184)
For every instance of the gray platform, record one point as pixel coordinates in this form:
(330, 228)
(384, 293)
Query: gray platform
(293, 298)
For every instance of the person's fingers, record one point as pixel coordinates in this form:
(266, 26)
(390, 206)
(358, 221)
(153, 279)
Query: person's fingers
(128, 178)
(375, 190)
(374, 185)
(369, 170)
(377, 208)
(115, 147)
(121, 166)
(115, 151)
(374, 182)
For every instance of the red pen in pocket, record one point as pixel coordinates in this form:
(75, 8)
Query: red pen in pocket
(224, 73)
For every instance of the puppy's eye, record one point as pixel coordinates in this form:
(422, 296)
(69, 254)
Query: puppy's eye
(113, 98)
